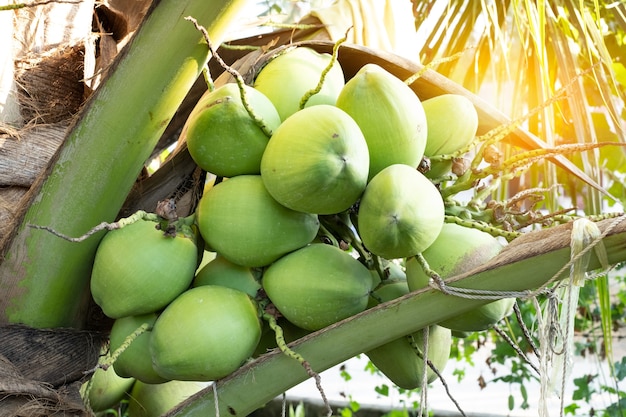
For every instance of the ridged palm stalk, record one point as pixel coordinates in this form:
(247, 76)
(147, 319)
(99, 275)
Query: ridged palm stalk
(45, 280)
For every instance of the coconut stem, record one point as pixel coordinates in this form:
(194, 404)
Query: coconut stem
(432, 366)
(324, 234)
(127, 342)
(423, 263)
(522, 160)
(17, 6)
(216, 400)
(282, 345)
(330, 65)
(139, 215)
(110, 360)
(238, 79)
(516, 348)
(482, 226)
(339, 226)
(207, 78)
(431, 66)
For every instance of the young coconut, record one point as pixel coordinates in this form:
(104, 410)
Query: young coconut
(134, 361)
(452, 123)
(223, 138)
(221, 271)
(205, 334)
(138, 269)
(317, 285)
(241, 221)
(456, 250)
(105, 389)
(390, 116)
(401, 213)
(287, 77)
(317, 161)
(154, 400)
(398, 360)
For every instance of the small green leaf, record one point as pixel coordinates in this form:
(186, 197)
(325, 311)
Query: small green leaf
(584, 389)
(524, 393)
(616, 409)
(511, 402)
(382, 390)
(620, 369)
(459, 373)
(354, 405)
(397, 413)
(345, 375)
(371, 368)
(571, 409)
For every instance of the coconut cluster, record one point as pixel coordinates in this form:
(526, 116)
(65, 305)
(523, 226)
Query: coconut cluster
(316, 214)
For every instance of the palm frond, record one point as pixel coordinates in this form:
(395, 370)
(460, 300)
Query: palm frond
(518, 54)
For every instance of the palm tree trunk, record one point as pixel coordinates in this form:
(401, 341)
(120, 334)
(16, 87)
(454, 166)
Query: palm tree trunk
(45, 280)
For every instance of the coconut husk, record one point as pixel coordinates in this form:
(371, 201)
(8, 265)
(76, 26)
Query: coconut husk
(52, 356)
(48, 55)
(12, 200)
(50, 86)
(41, 370)
(24, 397)
(27, 154)
(115, 22)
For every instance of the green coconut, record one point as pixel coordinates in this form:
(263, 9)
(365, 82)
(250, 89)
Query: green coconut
(223, 138)
(317, 161)
(154, 400)
(400, 214)
(105, 389)
(220, 271)
(287, 77)
(138, 270)
(457, 250)
(390, 116)
(317, 285)
(452, 123)
(241, 221)
(135, 360)
(205, 334)
(397, 359)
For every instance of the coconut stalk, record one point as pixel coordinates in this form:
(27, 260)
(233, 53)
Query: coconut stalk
(529, 262)
(44, 279)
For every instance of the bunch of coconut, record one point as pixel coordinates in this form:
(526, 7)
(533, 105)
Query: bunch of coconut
(318, 209)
